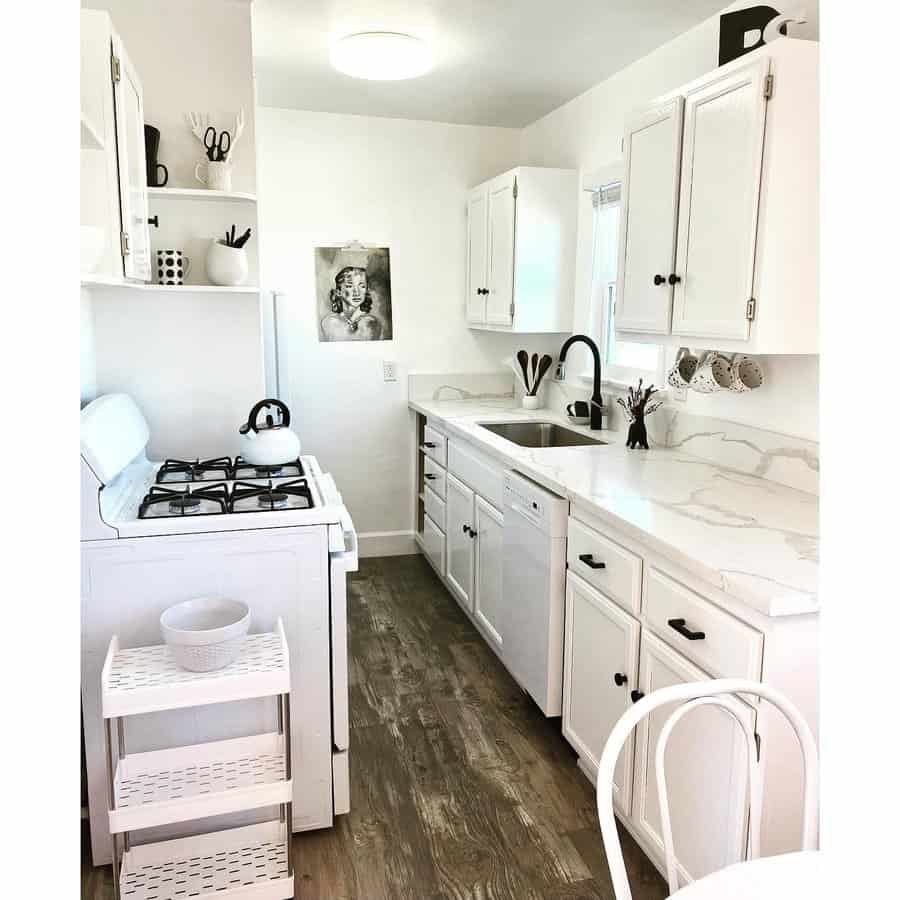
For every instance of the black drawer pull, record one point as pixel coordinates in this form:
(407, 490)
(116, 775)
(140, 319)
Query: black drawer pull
(430, 444)
(679, 626)
(465, 529)
(620, 679)
(430, 476)
(636, 695)
(588, 560)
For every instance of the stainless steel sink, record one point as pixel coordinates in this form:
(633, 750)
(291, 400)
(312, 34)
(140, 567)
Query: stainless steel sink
(540, 434)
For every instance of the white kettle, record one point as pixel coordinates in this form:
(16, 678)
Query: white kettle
(271, 443)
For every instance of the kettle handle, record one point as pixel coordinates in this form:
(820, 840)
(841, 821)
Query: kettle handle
(250, 424)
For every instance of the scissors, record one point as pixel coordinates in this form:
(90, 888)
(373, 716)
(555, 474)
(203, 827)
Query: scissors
(217, 144)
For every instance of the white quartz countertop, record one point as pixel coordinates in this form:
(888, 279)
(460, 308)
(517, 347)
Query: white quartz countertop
(753, 539)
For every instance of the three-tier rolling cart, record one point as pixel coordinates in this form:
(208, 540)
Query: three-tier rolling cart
(183, 783)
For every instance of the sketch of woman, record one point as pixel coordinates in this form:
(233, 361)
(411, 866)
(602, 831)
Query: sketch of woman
(351, 305)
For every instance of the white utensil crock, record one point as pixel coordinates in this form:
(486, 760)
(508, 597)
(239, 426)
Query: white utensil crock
(218, 175)
(226, 265)
(531, 402)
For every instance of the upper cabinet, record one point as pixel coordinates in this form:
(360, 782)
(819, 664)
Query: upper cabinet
(114, 217)
(521, 251)
(719, 232)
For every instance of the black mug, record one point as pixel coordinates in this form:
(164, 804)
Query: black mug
(151, 149)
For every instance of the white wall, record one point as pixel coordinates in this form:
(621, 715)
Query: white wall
(192, 362)
(326, 179)
(586, 134)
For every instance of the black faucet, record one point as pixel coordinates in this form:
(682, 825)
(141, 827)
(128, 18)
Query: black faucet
(596, 399)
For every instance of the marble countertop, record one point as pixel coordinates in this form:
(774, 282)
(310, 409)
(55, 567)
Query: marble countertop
(753, 539)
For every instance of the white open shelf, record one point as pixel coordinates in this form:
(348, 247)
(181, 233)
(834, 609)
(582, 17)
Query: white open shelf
(247, 863)
(90, 136)
(201, 194)
(147, 679)
(101, 281)
(183, 783)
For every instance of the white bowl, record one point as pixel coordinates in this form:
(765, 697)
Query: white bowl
(206, 633)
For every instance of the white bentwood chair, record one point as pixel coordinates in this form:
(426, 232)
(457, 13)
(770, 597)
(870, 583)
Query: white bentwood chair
(739, 877)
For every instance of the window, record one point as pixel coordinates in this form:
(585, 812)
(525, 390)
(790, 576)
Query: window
(623, 360)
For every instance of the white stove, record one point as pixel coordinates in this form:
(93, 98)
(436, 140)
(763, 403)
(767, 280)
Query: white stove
(154, 533)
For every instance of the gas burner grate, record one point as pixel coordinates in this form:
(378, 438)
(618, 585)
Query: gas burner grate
(181, 470)
(270, 496)
(203, 501)
(245, 469)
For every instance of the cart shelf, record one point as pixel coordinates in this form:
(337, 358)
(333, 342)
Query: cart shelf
(247, 863)
(211, 779)
(147, 679)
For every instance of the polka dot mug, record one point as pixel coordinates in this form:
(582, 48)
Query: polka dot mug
(172, 266)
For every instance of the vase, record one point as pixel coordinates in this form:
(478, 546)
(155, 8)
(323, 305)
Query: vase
(226, 266)
(637, 435)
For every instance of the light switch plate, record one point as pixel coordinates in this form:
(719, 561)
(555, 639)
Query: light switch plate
(390, 370)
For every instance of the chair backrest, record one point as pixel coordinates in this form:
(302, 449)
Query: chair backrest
(691, 696)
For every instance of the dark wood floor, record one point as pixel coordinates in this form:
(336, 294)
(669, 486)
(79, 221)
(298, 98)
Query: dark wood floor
(460, 788)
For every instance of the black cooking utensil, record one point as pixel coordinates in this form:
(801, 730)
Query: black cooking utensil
(522, 359)
(543, 368)
(534, 365)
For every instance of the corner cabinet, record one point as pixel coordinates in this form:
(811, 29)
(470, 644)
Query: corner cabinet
(719, 226)
(113, 168)
(521, 251)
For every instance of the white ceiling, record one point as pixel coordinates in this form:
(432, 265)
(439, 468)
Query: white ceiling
(498, 62)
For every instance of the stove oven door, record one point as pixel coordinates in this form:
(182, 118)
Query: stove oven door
(286, 572)
(344, 557)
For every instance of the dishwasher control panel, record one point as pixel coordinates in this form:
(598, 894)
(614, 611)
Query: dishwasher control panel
(544, 510)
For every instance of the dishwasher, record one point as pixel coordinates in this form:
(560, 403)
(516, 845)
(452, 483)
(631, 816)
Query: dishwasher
(534, 588)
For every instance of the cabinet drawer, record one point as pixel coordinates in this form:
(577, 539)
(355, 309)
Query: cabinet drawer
(434, 545)
(727, 648)
(604, 564)
(434, 507)
(435, 477)
(435, 445)
(477, 471)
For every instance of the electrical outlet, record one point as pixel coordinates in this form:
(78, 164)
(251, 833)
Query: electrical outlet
(390, 370)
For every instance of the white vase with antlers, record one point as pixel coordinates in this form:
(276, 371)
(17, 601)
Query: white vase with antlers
(219, 149)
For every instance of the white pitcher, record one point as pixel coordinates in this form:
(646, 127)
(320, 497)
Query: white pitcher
(218, 175)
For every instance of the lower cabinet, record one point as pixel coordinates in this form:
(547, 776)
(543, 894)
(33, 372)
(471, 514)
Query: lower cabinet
(488, 569)
(600, 671)
(460, 519)
(706, 772)
(433, 543)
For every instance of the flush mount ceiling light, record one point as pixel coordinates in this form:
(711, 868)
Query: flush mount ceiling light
(381, 56)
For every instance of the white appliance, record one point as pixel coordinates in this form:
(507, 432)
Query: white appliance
(277, 538)
(534, 588)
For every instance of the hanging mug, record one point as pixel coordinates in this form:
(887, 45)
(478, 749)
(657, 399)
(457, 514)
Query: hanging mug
(713, 374)
(218, 175)
(682, 372)
(172, 266)
(746, 374)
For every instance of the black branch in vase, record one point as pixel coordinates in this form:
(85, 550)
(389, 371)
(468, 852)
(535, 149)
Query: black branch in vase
(638, 406)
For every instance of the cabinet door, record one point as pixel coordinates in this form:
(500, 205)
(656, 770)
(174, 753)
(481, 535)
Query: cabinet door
(649, 219)
(724, 127)
(477, 278)
(601, 648)
(502, 250)
(488, 569)
(460, 513)
(129, 107)
(706, 772)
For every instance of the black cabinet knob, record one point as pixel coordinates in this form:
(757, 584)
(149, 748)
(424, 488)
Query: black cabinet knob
(620, 679)
(465, 529)
(636, 695)
(674, 279)
(473, 533)
(659, 279)
(588, 560)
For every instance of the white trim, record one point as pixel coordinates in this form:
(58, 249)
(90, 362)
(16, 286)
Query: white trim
(387, 543)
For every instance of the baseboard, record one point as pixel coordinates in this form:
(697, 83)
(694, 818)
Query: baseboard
(387, 543)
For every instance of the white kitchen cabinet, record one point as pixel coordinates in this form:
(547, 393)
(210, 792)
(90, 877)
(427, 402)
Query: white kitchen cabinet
(460, 518)
(477, 276)
(488, 596)
(521, 251)
(433, 544)
(114, 215)
(649, 218)
(744, 231)
(600, 671)
(706, 771)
